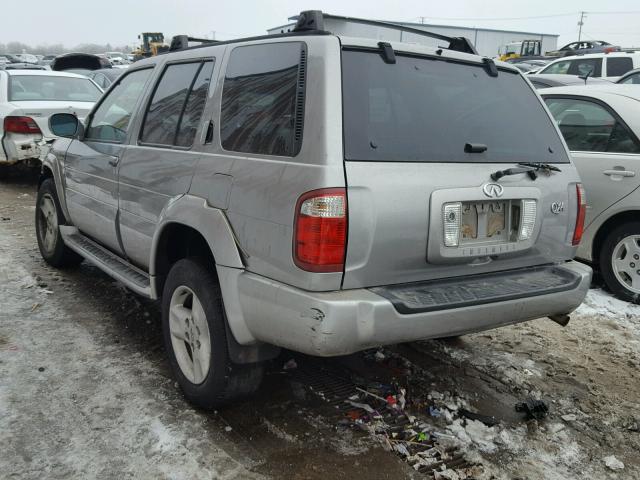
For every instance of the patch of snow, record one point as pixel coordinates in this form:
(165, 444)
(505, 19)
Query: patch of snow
(613, 463)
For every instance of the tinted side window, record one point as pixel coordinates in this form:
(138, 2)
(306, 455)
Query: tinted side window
(110, 121)
(589, 127)
(194, 106)
(161, 120)
(618, 66)
(583, 66)
(263, 99)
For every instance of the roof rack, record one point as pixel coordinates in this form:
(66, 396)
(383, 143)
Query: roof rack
(314, 20)
(311, 22)
(181, 42)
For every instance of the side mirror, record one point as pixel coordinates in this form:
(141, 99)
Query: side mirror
(64, 125)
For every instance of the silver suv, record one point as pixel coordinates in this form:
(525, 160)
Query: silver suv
(319, 193)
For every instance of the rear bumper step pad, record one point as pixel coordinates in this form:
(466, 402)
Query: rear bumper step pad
(477, 290)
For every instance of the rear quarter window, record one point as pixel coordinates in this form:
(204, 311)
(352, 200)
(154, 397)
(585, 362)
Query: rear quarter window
(263, 99)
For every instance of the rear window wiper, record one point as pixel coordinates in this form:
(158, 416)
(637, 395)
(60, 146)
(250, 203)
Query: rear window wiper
(545, 167)
(531, 171)
(530, 168)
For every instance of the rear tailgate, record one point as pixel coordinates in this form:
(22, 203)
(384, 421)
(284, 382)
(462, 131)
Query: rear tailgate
(406, 125)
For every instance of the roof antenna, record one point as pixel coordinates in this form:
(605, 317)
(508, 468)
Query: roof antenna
(586, 75)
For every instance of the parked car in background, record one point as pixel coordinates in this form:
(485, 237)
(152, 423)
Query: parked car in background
(583, 47)
(105, 76)
(46, 60)
(79, 62)
(26, 58)
(544, 80)
(229, 186)
(610, 66)
(21, 66)
(4, 60)
(601, 125)
(632, 77)
(27, 100)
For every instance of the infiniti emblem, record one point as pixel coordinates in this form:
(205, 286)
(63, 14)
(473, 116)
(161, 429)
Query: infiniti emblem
(493, 190)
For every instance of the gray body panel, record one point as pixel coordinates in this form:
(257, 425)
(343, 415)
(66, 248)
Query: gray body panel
(244, 204)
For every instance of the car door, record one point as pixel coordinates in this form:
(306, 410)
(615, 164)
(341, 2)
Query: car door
(157, 168)
(604, 149)
(91, 162)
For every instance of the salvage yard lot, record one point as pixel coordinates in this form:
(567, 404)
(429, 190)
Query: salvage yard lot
(86, 391)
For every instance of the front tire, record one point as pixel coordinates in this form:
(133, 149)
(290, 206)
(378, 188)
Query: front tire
(49, 217)
(194, 330)
(620, 261)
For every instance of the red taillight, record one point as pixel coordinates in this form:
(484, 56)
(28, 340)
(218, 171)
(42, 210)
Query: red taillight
(20, 125)
(321, 230)
(582, 211)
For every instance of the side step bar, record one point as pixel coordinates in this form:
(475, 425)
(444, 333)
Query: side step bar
(107, 261)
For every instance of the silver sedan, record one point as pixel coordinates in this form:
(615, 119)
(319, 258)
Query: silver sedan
(601, 125)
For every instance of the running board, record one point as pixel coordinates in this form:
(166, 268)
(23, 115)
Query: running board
(107, 261)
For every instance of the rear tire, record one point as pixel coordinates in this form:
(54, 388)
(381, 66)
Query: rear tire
(194, 330)
(49, 217)
(620, 261)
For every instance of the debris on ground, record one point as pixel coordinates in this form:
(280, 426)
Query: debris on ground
(290, 365)
(533, 409)
(613, 463)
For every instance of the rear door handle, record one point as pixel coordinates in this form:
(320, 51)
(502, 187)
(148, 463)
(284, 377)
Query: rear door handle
(114, 161)
(619, 173)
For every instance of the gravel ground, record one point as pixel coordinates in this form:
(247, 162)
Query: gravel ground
(86, 392)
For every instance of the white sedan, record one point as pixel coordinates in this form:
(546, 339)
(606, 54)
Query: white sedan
(28, 98)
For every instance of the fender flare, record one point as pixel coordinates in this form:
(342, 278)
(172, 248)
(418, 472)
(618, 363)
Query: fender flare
(51, 163)
(211, 223)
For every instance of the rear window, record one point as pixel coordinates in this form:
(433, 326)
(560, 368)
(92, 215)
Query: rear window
(426, 110)
(45, 88)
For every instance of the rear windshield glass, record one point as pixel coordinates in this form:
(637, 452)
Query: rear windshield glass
(45, 88)
(426, 110)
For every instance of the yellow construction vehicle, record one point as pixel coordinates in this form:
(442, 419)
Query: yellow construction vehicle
(523, 48)
(152, 45)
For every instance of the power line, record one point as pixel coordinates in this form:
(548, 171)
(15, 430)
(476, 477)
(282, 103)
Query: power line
(533, 17)
(495, 18)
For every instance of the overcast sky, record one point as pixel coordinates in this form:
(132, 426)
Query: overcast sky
(118, 22)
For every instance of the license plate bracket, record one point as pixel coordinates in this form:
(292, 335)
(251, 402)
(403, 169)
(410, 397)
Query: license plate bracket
(485, 222)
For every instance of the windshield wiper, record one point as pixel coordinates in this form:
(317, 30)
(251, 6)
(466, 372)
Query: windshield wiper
(530, 168)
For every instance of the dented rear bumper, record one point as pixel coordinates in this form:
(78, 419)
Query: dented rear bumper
(20, 147)
(346, 321)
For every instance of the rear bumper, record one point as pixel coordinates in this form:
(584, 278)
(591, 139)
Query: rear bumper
(20, 147)
(343, 322)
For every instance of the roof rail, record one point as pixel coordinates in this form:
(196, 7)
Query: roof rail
(181, 42)
(310, 20)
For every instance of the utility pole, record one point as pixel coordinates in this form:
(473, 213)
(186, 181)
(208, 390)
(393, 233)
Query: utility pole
(580, 23)
(421, 20)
